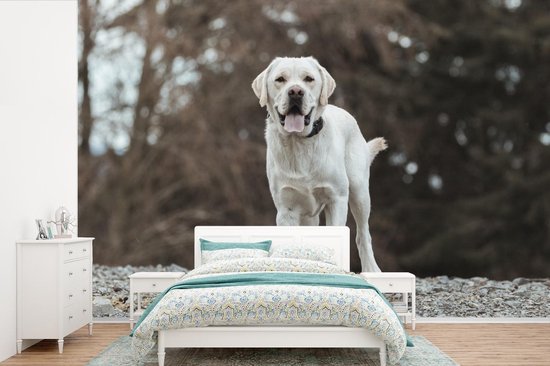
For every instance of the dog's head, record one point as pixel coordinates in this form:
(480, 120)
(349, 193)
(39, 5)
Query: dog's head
(295, 91)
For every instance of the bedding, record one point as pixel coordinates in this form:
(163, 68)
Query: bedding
(267, 264)
(270, 291)
(311, 252)
(215, 251)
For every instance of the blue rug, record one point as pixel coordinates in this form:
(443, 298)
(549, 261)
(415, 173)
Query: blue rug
(422, 354)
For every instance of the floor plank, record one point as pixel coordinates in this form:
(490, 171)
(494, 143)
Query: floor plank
(468, 344)
(491, 344)
(79, 348)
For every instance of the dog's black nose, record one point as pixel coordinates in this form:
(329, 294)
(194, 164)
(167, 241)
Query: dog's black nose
(295, 92)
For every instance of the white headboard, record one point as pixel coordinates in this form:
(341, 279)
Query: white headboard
(336, 237)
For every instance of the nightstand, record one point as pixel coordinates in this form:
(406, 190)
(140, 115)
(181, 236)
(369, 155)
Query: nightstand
(151, 282)
(397, 283)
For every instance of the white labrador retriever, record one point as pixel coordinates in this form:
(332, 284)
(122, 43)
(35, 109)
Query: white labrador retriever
(317, 158)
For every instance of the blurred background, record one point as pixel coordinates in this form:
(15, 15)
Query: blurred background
(171, 134)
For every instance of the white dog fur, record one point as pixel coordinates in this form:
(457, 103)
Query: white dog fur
(324, 171)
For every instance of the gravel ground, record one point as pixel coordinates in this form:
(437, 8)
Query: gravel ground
(435, 296)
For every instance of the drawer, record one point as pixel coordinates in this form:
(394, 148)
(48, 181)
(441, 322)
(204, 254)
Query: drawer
(152, 284)
(72, 319)
(76, 281)
(86, 310)
(76, 295)
(392, 284)
(76, 250)
(70, 297)
(71, 273)
(77, 271)
(83, 309)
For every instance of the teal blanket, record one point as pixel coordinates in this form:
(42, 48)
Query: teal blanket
(266, 278)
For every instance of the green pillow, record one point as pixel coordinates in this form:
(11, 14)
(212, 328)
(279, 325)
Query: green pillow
(215, 251)
(214, 245)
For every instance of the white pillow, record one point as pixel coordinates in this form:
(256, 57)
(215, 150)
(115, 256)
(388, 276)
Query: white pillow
(304, 251)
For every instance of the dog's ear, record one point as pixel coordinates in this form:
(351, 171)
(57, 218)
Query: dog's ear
(259, 85)
(328, 85)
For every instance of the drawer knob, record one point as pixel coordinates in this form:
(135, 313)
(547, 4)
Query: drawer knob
(70, 273)
(84, 250)
(70, 316)
(70, 252)
(84, 310)
(84, 290)
(391, 284)
(84, 269)
(70, 295)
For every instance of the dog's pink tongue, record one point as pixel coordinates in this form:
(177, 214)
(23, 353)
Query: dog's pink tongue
(294, 123)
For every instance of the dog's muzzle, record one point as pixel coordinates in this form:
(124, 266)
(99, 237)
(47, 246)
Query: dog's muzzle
(294, 120)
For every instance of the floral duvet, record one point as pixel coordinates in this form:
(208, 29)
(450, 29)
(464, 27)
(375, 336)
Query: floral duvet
(270, 291)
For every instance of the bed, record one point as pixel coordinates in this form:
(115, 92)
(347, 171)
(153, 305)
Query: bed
(380, 329)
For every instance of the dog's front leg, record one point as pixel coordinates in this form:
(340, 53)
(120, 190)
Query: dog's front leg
(336, 212)
(290, 203)
(288, 217)
(308, 220)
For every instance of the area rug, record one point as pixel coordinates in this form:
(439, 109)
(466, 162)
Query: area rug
(422, 354)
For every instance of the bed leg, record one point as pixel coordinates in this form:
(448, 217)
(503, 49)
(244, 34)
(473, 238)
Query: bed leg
(161, 351)
(383, 355)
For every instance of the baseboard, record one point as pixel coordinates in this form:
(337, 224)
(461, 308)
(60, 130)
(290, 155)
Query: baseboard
(486, 320)
(111, 320)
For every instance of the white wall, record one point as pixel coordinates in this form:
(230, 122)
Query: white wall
(38, 130)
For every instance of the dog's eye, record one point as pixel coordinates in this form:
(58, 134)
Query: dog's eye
(308, 79)
(280, 79)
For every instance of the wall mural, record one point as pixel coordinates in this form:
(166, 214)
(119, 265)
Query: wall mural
(172, 135)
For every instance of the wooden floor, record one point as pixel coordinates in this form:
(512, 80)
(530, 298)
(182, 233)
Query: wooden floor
(468, 344)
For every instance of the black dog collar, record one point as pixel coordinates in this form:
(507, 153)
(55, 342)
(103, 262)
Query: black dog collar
(317, 127)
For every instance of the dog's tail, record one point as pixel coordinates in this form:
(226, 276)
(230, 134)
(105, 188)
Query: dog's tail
(374, 146)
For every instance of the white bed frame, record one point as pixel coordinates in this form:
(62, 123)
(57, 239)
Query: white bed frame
(273, 336)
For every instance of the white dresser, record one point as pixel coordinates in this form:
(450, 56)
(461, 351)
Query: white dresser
(54, 288)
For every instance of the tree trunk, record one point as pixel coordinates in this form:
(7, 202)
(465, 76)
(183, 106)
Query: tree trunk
(85, 113)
